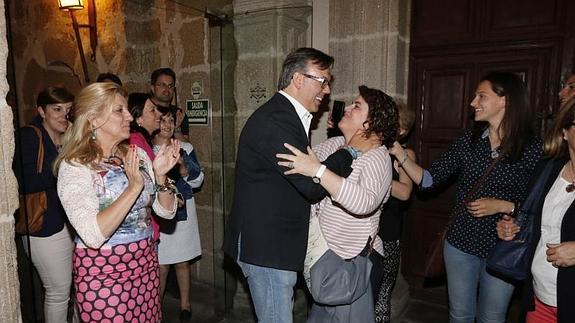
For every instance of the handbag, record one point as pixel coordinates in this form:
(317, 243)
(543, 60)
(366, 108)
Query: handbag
(33, 206)
(332, 280)
(337, 281)
(434, 266)
(510, 258)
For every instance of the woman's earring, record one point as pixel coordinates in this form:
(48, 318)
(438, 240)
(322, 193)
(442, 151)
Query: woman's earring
(93, 137)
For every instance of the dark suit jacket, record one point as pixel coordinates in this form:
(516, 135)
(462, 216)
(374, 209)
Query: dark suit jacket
(565, 275)
(271, 210)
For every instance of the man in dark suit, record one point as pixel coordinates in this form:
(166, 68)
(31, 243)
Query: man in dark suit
(269, 222)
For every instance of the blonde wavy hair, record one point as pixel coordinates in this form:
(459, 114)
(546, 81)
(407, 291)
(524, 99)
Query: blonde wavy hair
(555, 146)
(92, 101)
(406, 119)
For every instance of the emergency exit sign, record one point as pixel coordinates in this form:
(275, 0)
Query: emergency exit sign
(198, 112)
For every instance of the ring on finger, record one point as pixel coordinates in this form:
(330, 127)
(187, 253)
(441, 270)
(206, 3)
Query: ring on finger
(290, 165)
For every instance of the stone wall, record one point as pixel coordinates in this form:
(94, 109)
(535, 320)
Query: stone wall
(9, 285)
(370, 42)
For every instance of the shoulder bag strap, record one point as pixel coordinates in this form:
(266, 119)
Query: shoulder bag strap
(538, 187)
(474, 188)
(40, 158)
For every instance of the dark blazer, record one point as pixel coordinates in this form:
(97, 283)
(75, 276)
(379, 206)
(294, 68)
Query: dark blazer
(565, 275)
(24, 165)
(271, 210)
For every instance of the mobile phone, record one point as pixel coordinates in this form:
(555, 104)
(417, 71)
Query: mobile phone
(337, 112)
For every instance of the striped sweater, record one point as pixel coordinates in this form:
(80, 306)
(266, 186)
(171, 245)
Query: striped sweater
(348, 219)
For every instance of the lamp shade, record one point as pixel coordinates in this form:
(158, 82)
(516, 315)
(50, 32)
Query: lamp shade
(71, 4)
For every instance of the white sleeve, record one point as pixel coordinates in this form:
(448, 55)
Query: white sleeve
(80, 201)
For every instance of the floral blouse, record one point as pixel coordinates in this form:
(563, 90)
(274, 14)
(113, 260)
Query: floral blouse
(85, 191)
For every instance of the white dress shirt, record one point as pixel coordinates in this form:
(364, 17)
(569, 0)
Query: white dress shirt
(304, 115)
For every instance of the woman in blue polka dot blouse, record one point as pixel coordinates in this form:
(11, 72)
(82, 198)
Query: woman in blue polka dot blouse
(503, 126)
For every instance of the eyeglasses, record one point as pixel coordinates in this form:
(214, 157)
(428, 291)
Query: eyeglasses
(324, 82)
(119, 162)
(114, 161)
(165, 86)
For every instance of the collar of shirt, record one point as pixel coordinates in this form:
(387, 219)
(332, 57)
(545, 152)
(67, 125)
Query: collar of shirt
(304, 115)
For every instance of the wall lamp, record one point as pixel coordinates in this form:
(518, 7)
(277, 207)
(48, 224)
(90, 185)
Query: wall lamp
(71, 6)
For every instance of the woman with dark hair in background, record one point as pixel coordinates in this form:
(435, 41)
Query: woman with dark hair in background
(146, 120)
(503, 136)
(109, 77)
(548, 292)
(180, 237)
(390, 223)
(51, 247)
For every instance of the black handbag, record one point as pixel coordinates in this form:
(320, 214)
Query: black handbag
(510, 258)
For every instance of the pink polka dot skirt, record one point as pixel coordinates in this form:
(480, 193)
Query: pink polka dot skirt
(119, 284)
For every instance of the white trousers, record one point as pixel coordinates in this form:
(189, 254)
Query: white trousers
(52, 257)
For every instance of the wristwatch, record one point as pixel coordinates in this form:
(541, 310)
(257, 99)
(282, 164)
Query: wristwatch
(317, 178)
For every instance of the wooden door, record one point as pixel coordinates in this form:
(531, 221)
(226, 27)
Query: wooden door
(454, 43)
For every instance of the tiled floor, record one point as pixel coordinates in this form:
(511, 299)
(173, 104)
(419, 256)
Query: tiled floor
(423, 309)
(416, 311)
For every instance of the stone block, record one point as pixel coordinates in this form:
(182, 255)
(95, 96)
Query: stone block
(192, 37)
(138, 9)
(142, 60)
(59, 49)
(139, 32)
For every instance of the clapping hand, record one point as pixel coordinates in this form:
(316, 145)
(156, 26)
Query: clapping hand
(166, 158)
(132, 169)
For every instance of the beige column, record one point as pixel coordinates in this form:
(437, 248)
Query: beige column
(9, 284)
(265, 32)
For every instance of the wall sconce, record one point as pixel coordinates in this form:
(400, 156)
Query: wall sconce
(71, 6)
